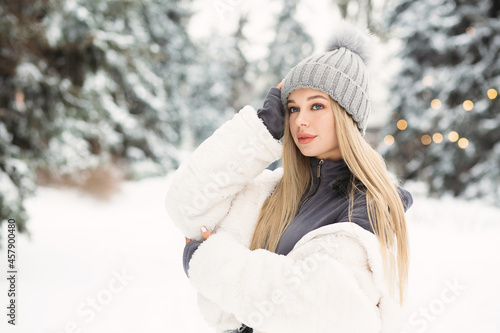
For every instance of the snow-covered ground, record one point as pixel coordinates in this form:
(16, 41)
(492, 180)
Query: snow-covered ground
(115, 266)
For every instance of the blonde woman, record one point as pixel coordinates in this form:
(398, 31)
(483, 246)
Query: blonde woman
(319, 245)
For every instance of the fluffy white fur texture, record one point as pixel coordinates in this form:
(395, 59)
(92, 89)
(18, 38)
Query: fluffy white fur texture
(353, 38)
(332, 281)
(225, 164)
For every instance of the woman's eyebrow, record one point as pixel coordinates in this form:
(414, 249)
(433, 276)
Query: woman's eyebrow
(314, 97)
(309, 99)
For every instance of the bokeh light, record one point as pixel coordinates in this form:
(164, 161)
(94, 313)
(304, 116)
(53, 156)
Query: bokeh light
(453, 136)
(437, 137)
(468, 105)
(470, 31)
(436, 104)
(426, 139)
(402, 124)
(492, 93)
(463, 143)
(428, 81)
(389, 140)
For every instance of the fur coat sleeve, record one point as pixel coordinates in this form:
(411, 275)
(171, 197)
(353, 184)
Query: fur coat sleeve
(332, 281)
(203, 189)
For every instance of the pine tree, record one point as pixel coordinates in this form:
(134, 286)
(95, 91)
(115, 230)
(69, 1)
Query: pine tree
(218, 85)
(87, 84)
(137, 87)
(445, 109)
(363, 13)
(290, 45)
(20, 25)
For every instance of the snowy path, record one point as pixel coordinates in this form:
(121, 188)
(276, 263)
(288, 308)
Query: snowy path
(115, 266)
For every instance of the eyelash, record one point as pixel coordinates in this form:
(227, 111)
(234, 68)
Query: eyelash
(312, 107)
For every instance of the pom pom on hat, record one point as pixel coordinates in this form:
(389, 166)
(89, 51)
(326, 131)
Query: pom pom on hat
(354, 39)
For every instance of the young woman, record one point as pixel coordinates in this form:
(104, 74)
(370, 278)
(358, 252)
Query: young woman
(319, 245)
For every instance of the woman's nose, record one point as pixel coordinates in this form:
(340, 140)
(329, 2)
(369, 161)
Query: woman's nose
(302, 119)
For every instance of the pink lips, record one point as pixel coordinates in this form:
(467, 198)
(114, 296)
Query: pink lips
(305, 138)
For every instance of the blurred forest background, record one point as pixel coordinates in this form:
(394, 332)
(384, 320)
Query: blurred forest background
(95, 92)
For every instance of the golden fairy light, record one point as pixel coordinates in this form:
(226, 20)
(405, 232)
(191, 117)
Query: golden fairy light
(437, 137)
(468, 105)
(492, 93)
(428, 81)
(463, 143)
(470, 31)
(453, 136)
(426, 139)
(402, 124)
(436, 104)
(389, 140)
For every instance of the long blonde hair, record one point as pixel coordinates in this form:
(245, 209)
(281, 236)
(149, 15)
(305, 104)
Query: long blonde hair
(384, 205)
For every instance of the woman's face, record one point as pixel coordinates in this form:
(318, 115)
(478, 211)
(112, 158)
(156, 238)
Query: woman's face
(312, 124)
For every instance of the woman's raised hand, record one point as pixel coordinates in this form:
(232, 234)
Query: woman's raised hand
(272, 112)
(280, 84)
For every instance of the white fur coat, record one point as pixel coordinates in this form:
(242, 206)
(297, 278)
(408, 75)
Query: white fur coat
(332, 281)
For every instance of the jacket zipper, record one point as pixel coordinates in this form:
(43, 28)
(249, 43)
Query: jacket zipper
(318, 172)
(318, 175)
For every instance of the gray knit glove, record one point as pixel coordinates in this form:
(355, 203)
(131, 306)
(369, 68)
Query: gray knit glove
(272, 113)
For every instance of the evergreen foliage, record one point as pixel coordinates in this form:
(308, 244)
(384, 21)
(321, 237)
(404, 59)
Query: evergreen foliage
(218, 84)
(89, 83)
(445, 109)
(290, 45)
(119, 84)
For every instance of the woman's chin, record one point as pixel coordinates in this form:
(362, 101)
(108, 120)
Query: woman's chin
(307, 153)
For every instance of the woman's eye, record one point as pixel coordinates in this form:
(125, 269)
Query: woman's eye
(317, 107)
(293, 109)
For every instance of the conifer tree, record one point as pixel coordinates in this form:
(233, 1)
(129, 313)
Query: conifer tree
(290, 45)
(445, 105)
(87, 84)
(218, 85)
(20, 31)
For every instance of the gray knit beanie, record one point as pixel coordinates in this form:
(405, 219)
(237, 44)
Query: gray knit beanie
(340, 73)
